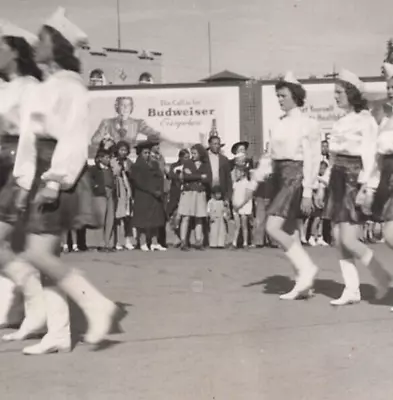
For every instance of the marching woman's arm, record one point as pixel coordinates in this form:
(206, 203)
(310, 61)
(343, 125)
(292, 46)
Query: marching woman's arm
(311, 158)
(26, 153)
(369, 152)
(71, 123)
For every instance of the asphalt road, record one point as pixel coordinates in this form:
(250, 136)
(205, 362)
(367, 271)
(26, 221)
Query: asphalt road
(209, 326)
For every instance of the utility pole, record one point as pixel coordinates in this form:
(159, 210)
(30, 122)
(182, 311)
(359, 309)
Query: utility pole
(118, 25)
(210, 47)
(333, 75)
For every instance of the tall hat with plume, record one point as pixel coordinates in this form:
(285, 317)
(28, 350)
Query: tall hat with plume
(9, 29)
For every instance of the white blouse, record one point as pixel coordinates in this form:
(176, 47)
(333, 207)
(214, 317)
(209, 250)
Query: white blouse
(58, 109)
(295, 137)
(12, 95)
(355, 134)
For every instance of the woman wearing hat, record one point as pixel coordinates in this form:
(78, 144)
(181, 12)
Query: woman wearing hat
(149, 207)
(20, 70)
(352, 147)
(51, 156)
(380, 182)
(241, 148)
(293, 162)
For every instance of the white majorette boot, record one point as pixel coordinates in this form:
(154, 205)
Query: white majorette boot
(58, 338)
(28, 281)
(382, 277)
(103, 316)
(11, 304)
(351, 293)
(306, 272)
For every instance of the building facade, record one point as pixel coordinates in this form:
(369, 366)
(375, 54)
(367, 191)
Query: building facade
(121, 66)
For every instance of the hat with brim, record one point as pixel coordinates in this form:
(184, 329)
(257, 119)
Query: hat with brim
(238, 144)
(154, 139)
(145, 144)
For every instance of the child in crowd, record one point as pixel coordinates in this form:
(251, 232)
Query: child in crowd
(240, 179)
(316, 238)
(104, 190)
(121, 166)
(218, 217)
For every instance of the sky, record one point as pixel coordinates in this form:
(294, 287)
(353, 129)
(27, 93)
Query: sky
(250, 37)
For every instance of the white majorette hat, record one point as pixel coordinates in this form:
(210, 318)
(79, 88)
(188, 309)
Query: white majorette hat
(69, 30)
(290, 78)
(388, 70)
(348, 76)
(9, 29)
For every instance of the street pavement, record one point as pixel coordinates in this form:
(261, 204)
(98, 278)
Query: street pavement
(210, 326)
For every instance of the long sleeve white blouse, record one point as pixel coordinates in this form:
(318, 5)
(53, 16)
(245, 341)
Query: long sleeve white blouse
(12, 96)
(355, 134)
(57, 109)
(295, 137)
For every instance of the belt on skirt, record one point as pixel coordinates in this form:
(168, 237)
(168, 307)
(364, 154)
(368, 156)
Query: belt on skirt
(346, 160)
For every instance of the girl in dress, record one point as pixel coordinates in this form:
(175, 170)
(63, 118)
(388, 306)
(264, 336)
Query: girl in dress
(18, 67)
(218, 218)
(242, 216)
(193, 203)
(121, 166)
(352, 148)
(295, 153)
(52, 154)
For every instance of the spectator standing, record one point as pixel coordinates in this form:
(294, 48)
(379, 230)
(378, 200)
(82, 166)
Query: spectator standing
(241, 148)
(193, 197)
(159, 158)
(218, 217)
(176, 181)
(121, 166)
(103, 185)
(219, 169)
(149, 208)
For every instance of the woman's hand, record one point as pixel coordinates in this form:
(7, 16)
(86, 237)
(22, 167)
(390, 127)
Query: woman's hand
(364, 200)
(306, 206)
(21, 199)
(46, 195)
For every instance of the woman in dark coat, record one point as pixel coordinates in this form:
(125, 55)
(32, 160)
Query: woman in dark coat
(149, 206)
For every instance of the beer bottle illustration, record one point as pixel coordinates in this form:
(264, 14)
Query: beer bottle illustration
(213, 130)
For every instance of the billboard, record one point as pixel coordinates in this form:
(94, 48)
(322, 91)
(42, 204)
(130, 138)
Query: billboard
(320, 104)
(180, 116)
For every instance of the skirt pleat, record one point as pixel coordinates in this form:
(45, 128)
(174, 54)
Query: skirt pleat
(74, 209)
(340, 205)
(287, 190)
(382, 208)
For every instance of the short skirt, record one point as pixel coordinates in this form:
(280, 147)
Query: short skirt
(382, 208)
(286, 189)
(340, 204)
(193, 204)
(74, 209)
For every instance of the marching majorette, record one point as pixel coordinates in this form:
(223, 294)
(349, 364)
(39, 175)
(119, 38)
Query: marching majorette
(381, 180)
(353, 148)
(17, 65)
(293, 161)
(51, 156)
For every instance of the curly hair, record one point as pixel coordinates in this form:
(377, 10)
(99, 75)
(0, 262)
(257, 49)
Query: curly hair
(63, 51)
(122, 98)
(25, 57)
(123, 143)
(297, 92)
(355, 97)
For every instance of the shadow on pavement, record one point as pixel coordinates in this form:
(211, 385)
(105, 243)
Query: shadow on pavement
(79, 323)
(279, 284)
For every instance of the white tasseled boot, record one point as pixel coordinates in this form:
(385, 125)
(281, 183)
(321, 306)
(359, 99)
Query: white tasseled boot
(11, 303)
(103, 316)
(351, 293)
(28, 281)
(306, 272)
(58, 338)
